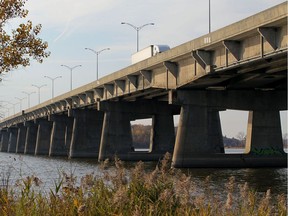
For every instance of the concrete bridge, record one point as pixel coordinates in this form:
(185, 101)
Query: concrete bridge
(242, 66)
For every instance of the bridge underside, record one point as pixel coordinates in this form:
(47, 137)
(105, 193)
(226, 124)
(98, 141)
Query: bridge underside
(241, 67)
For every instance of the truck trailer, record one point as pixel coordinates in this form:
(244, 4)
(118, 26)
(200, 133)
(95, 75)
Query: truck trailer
(148, 52)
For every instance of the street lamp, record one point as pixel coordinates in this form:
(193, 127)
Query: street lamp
(13, 104)
(39, 87)
(20, 99)
(7, 110)
(137, 28)
(209, 16)
(28, 95)
(71, 69)
(97, 53)
(53, 79)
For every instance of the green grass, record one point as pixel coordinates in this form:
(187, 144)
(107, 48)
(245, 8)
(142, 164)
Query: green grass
(163, 191)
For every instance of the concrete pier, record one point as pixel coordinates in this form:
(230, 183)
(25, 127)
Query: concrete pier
(86, 133)
(31, 136)
(43, 137)
(68, 132)
(21, 138)
(163, 134)
(264, 136)
(4, 140)
(199, 133)
(116, 136)
(12, 139)
(58, 135)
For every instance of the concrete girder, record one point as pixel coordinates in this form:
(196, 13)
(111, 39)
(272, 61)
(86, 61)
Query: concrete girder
(234, 47)
(99, 92)
(49, 109)
(69, 102)
(270, 35)
(203, 58)
(89, 97)
(121, 84)
(172, 67)
(75, 101)
(133, 79)
(110, 88)
(147, 74)
(82, 98)
(232, 99)
(60, 105)
(63, 105)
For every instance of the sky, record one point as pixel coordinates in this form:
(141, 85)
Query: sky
(70, 26)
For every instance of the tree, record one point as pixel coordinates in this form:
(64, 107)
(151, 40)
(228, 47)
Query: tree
(19, 46)
(241, 137)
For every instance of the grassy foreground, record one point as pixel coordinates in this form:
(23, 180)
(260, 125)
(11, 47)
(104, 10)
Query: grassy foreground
(164, 191)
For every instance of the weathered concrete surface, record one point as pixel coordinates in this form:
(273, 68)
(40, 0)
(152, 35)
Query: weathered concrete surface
(31, 136)
(69, 131)
(163, 134)
(199, 132)
(116, 139)
(116, 134)
(4, 140)
(58, 136)
(43, 137)
(86, 134)
(12, 139)
(21, 138)
(264, 134)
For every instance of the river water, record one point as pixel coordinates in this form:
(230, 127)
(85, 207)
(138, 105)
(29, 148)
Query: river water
(49, 170)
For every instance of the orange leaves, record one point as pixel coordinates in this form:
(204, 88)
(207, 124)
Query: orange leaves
(23, 45)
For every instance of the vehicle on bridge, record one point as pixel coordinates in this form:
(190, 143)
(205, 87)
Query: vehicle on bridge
(148, 52)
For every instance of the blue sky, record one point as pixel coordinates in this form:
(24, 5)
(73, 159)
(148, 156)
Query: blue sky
(71, 25)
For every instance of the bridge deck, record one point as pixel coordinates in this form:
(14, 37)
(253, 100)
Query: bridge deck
(249, 54)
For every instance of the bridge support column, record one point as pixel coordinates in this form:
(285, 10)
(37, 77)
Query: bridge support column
(21, 138)
(43, 137)
(264, 135)
(58, 134)
(86, 134)
(12, 139)
(199, 133)
(163, 134)
(31, 136)
(68, 132)
(4, 140)
(116, 137)
(117, 134)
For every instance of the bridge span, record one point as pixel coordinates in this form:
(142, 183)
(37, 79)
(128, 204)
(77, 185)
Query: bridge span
(242, 66)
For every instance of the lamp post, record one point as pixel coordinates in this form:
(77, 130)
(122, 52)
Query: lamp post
(13, 104)
(28, 95)
(20, 99)
(137, 28)
(39, 87)
(209, 16)
(7, 110)
(52, 80)
(97, 53)
(71, 69)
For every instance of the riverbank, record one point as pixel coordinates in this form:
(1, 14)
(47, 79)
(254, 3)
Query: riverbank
(136, 191)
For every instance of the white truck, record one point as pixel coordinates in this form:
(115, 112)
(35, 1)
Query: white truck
(148, 52)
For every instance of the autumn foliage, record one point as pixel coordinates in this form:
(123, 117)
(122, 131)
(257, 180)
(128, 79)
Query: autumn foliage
(20, 45)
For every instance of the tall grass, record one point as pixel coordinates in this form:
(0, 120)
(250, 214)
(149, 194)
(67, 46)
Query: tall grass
(163, 191)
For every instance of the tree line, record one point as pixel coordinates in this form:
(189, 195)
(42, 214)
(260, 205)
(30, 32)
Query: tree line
(141, 137)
